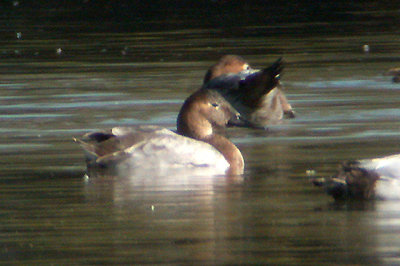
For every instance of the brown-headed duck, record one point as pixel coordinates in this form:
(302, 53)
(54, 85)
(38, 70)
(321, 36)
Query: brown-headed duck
(377, 178)
(261, 106)
(196, 145)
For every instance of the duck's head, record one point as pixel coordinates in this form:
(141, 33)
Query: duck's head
(204, 112)
(227, 64)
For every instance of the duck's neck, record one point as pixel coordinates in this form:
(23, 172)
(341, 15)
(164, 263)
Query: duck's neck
(223, 145)
(195, 126)
(231, 153)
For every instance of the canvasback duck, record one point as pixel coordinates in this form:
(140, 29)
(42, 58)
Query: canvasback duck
(377, 178)
(196, 145)
(260, 106)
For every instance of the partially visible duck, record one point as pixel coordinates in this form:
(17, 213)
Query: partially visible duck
(395, 72)
(377, 178)
(261, 106)
(228, 64)
(196, 145)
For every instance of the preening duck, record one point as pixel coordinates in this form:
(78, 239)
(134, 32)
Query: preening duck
(261, 105)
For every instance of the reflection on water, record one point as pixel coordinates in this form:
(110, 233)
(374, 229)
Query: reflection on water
(346, 109)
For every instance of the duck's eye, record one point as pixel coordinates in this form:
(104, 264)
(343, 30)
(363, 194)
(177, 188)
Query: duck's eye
(216, 105)
(246, 67)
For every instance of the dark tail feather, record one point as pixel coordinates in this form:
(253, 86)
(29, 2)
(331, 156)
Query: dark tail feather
(261, 83)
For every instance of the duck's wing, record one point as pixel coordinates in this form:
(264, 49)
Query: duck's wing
(227, 82)
(249, 86)
(228, 85)
(171, 150)
(260, 83)
(105, 143)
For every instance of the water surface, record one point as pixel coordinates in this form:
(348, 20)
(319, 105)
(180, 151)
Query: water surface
(346, 109)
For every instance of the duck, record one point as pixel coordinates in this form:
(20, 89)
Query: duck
(261, 106)
(366, 179)
(395, 72)
(196, 144)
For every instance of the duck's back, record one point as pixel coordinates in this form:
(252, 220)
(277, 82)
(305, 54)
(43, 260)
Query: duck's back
(388, 170)
(153, 149)
(387, 166)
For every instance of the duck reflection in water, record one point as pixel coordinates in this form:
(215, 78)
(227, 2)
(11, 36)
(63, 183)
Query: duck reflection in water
(377, 178)
(261, 105)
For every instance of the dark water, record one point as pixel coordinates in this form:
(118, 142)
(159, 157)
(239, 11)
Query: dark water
(59, 80)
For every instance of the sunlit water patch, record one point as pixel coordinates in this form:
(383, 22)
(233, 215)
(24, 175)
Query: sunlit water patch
(378, 83)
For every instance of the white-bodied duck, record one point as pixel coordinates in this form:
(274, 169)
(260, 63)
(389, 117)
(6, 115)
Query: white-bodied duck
(196, 145)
